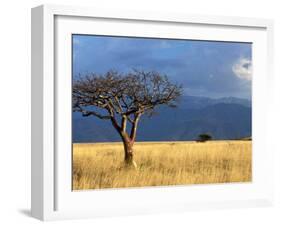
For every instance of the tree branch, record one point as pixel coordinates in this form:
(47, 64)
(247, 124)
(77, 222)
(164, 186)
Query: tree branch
(86, 113)
(115, 125)
(124, 123)
(134, 128)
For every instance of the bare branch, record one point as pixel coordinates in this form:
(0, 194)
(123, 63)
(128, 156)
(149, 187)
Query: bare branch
(131, 94)
(134, 127)
(86, 113)
(124, 123)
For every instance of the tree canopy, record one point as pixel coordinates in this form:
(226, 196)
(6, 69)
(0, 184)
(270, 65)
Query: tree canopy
(134, 93)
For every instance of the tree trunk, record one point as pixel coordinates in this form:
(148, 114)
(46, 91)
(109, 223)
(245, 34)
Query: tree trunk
(128, 141)
(129, 153)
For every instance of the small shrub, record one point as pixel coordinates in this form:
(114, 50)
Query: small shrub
(204, 137)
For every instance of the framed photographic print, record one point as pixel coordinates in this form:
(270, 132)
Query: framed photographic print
(137, 112)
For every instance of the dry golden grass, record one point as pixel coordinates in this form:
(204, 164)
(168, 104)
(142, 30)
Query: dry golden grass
(164, 163)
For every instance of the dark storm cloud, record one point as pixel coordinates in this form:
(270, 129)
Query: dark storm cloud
(215, 69)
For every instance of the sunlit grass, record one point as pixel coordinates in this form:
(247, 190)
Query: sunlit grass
(164, 163)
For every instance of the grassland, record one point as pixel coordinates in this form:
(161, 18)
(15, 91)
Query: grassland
(101, 165)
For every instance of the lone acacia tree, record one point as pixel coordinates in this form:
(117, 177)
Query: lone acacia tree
(123, 98)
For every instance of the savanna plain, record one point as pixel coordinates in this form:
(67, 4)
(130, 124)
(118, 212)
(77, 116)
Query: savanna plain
(100, 165)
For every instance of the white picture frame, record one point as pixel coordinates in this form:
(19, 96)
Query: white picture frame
(51, 197)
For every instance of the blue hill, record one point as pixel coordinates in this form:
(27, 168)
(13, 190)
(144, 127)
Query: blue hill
(224, 118)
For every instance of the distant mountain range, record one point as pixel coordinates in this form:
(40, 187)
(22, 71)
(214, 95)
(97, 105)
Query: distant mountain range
(223, 118)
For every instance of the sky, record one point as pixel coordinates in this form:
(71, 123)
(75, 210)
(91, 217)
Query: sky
(203, 68)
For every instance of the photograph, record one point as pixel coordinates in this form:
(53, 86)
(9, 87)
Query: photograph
(152, 111)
